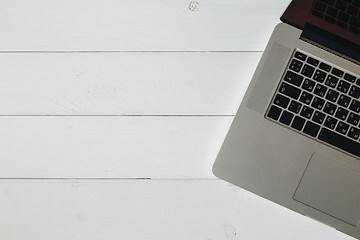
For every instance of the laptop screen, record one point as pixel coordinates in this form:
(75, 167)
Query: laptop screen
(338, 17)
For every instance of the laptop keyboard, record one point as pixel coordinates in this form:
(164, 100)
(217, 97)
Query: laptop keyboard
(320, 101)
(343, 13)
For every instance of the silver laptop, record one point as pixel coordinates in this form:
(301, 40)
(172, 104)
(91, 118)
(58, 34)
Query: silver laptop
(295, 139)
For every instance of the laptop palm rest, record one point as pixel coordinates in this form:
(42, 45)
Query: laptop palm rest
(332, 188)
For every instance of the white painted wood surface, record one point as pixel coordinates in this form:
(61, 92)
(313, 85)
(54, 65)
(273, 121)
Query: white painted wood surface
(137, 25)
(120, 90)
(146, 209)
(116, 147)
(124, 83)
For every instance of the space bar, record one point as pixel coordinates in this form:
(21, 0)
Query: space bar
(339, 141)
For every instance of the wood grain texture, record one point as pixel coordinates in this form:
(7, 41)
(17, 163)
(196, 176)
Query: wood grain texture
(124, 83)
(137, 210)
(137, 25)
(115, 147)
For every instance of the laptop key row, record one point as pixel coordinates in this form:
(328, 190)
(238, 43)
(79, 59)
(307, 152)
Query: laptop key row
(314, 96)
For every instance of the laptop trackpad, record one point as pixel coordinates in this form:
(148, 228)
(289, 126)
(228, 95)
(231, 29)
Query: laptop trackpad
(332, 188)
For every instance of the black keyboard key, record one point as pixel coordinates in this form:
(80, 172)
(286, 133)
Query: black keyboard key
(325, 67)
(293, 78)
(318, 117)
(344, 17)
(341, 5)
(330, 122)
(344, 101)
(332, 95)
(356, 3)
(320, 90)
(308, 85)
(354, 133)
(349, 77)
(286, 118)
(332, 12)
(342, 113)
(353, 119)
(318, 103)
(274, 113)
(342, 127)
(307, 112)
(289, 90)
(319, 76)
(306, 98)
(295, 107)
(355, 106)
(311, 129)
(337, 72)
(352, 10)
(320, 6)
(300, 56)
(308, 70)
(312, 61)
(330, 108)
(358, 82)
(331, 81)
(281, 101)
(295, 65)
(354, 92)
(339, 141)
(355, 21)
(343, 86)
(298, 123)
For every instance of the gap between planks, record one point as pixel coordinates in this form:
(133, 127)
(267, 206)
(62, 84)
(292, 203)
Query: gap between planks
(120, 179)
(133, 51)
(121, 115)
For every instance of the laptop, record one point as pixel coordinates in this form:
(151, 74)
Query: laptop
(295, 139)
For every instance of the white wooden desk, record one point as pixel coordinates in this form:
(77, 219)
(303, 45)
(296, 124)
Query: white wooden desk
(113, 111)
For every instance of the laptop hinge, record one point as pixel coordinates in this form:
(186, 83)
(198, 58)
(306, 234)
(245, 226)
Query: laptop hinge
(331, 43)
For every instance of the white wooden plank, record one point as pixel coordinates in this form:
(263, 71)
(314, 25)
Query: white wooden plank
(115, 147)
(124, 83)
(117, 209)
(137, 25)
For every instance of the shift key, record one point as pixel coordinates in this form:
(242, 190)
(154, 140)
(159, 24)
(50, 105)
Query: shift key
(289, 90)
